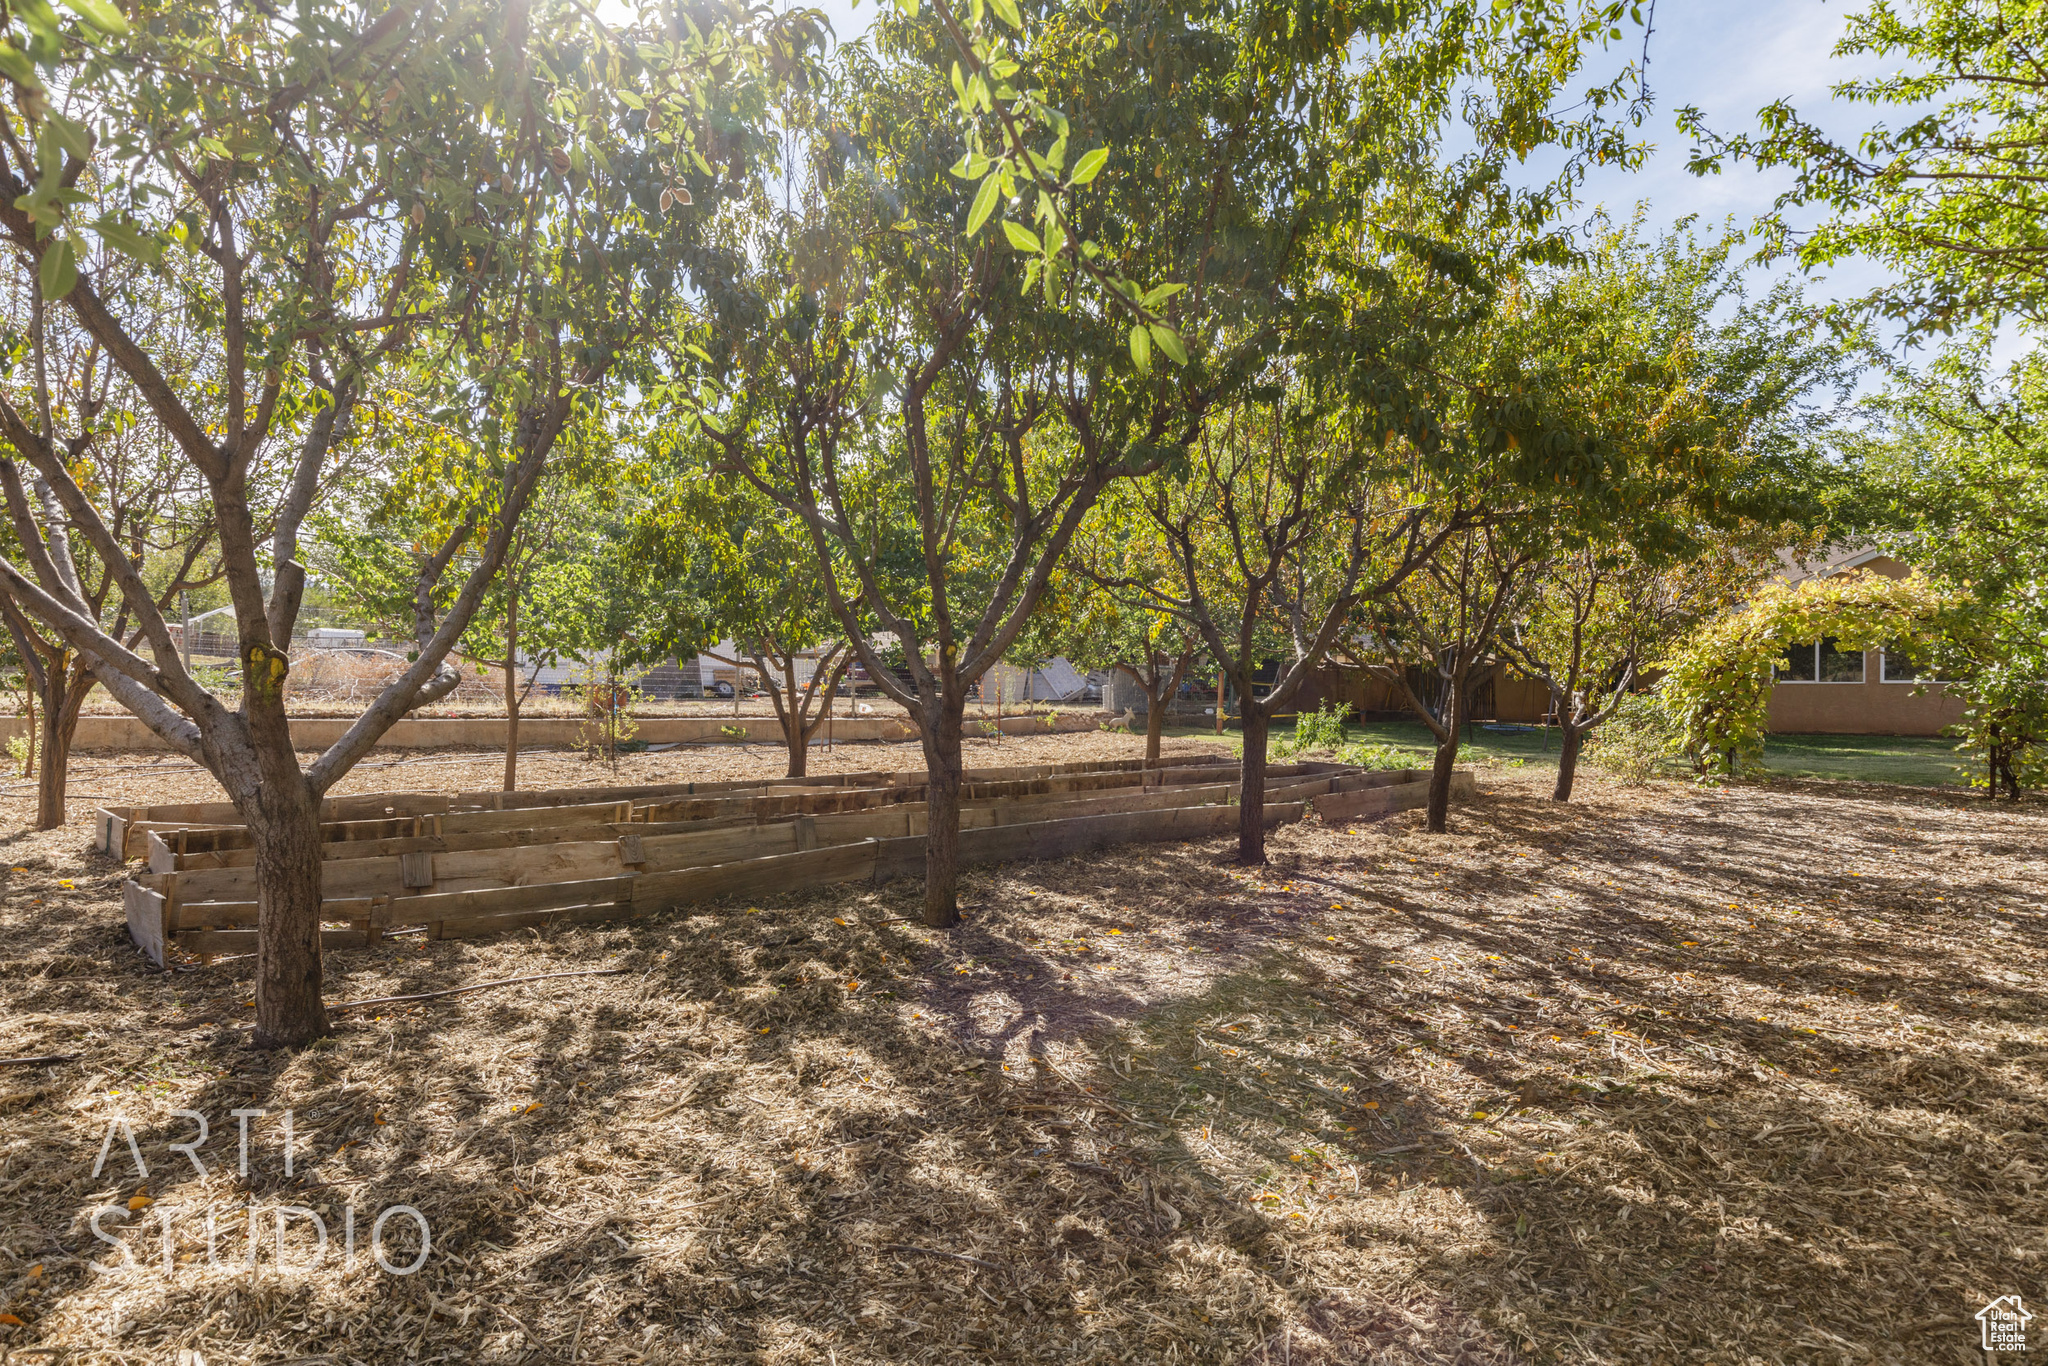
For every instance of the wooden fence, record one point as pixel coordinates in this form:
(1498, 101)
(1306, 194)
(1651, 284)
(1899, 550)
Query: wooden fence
(469, 864)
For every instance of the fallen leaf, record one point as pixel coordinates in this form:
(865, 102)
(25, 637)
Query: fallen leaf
(136, 1202)
(10, 1320)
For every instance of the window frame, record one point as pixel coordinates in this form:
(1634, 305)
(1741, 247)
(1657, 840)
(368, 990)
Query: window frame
(1863, 675)
(1884, 658)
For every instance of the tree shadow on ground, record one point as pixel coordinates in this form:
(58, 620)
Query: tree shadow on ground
(1555, 1128)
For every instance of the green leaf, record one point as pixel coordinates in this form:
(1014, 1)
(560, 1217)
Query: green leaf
(1169, 342)
(1162, 294)
(100, 15)
(984, 202)
(1089, 166)
(129, 240)
(1141, 348)
(73, 136)
(1021, 237)
(41, 20)
(59, 271)
(15, 65)
(1006, 10)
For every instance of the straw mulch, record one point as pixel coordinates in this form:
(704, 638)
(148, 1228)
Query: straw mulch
(1663, 1076)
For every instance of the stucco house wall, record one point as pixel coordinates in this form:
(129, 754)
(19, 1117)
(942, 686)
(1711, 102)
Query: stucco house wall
(1869, 707)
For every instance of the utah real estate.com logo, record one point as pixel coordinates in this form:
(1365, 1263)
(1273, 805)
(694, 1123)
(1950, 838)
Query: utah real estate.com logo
(2005, 1322)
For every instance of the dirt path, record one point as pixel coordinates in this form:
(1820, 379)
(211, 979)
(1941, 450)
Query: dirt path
(1669, 1075)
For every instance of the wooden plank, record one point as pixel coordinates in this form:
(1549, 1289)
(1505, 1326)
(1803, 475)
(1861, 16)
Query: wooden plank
(145, 911)
(1385, 801)
(1063, 806)
(904, 857)
(415, 870)
(463, 870)
(201, 915)
(547, 896)
(438, 844)
(215, 943)
(755, 877)
(670, 853)
(110, 829)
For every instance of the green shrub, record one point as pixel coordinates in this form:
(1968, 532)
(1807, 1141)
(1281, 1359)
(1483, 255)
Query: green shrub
(1378, 756)
(1638, 742)
(1322, 728)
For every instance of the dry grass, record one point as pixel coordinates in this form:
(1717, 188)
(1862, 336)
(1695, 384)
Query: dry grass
(1753, 1076)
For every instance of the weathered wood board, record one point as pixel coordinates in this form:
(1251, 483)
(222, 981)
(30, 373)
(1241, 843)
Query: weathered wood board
(1386, 800)
(598, 870)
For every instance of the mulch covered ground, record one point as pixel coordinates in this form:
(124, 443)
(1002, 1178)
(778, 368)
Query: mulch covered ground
(1755, 1075)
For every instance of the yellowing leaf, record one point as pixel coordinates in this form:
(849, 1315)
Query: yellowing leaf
(139, 1202)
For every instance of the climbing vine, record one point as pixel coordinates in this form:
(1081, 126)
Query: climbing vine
(1716, 689)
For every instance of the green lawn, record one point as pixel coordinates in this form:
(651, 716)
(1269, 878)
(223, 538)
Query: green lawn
(1919, 761)
(1922, 761)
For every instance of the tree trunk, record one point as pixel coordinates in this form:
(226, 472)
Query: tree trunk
(1251, 782)
(285, 827)
(59, 728)
(1155, 722)
(512, 693)
(943, 768)
(1446, 763)
(793, 722)
(1569, 739)
(56, 746)
(283, 816)
(511, 734)
(28, 768)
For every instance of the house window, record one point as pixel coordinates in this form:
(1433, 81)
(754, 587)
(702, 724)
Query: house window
(1798, 664)
(1839, 666)
(1820, 661)
(1899, 667)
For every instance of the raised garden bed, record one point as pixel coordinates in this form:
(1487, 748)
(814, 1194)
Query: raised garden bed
(457, 865)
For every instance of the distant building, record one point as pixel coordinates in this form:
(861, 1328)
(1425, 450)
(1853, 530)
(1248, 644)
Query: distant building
(1824, 690)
